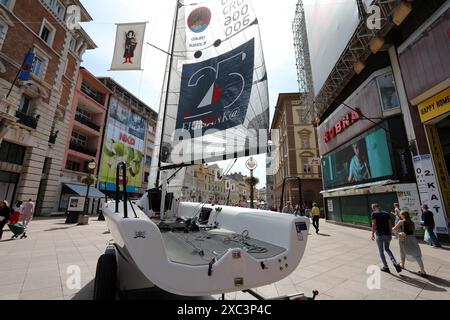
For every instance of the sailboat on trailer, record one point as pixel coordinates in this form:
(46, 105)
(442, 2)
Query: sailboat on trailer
(214, 107)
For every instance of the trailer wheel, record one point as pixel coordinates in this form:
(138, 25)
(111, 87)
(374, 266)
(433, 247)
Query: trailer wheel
(105, 285)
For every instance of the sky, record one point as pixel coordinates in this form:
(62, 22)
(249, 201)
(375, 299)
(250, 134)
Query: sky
(276, 31)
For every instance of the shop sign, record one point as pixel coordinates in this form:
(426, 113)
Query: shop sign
(348, 121)
(429, 190)
(409, 200)
(330, 206)
(435, 107)
(441, 167)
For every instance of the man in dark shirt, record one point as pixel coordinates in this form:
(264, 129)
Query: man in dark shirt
(382, 226)
(428, 223)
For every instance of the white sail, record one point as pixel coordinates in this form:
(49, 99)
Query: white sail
(218, 106)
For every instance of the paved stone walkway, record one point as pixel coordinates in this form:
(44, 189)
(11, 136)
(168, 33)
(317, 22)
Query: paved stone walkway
(335, 264)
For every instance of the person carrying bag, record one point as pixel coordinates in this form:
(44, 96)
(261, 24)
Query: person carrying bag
(409, 247)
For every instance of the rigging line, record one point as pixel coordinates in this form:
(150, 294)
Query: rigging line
(379, 124)
(177, 8)
(164, 51)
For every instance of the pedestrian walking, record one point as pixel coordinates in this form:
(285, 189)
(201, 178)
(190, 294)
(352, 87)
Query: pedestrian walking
(316, 217)
(409, 247)
(308, 212)
(17, 210)
(397, 213)
(289, 209)
(396, 217)
(382, 226)
(5, 214)
(429, 224)
(298, 211)
(27, 216)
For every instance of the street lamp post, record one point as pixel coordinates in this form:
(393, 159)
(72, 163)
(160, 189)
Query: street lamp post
(251, 165)
(92, 165)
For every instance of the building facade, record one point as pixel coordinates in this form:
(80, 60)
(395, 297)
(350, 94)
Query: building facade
(422, 60)
(129, 137)
(383, 109)
(296, 151)
(84, 141)
(35, 118)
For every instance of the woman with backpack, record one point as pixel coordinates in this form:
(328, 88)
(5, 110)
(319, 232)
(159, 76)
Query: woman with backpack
(409, 247)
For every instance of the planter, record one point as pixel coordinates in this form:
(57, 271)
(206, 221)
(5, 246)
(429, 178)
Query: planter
(83, 220)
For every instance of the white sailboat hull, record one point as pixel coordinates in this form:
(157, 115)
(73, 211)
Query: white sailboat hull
(160, 258)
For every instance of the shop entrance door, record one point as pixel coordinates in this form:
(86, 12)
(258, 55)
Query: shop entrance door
(443, 128)
(8, 185)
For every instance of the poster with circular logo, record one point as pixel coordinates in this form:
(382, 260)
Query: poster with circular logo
(199, 19)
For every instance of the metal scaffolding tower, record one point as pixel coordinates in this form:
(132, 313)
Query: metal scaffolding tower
(304, 74)
(356, 52)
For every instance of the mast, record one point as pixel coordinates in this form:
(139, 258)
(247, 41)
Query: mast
(174, 33)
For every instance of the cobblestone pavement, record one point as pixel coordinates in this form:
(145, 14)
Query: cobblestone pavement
(335, 263)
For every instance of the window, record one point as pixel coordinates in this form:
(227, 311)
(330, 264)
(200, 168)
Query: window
(25, 104)
(47, 32)
(388, 92)
(79, 139)
(307, 168)
(6, 3)
(39, 67)
(12, 153)
(3, 31)
(57, 8)
(72, 43)
(83, 114)
(305, 142)
(73, 166)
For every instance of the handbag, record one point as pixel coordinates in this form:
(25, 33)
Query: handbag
(402, 235)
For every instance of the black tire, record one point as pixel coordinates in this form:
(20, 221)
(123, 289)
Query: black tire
(105, 285)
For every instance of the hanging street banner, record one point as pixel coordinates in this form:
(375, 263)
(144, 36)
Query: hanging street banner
(129, 46)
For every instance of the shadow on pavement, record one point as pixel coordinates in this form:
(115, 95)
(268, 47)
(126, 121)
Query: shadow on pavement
(421, 284)
(439, 281)
(324, 234)
(57, 229)
(155, 294)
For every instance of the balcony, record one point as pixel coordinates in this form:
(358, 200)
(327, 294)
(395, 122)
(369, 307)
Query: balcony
(97, 96)
(82, 149)
(27, 120)
(87, 123)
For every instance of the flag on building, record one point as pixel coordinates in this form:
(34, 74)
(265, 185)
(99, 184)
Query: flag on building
(129, 46)
(27, 66)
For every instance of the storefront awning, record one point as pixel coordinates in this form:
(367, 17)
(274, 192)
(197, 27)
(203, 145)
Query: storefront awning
(361, 186)
(81, 190)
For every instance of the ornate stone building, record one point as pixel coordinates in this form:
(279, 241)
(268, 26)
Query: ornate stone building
(295, 151)
(35, 118)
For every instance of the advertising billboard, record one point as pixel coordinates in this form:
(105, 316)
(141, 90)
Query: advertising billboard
(124, 142)
(361, 161)
(330, 26)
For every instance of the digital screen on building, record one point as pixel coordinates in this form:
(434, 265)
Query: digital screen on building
(361, 161)
(124, 142)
